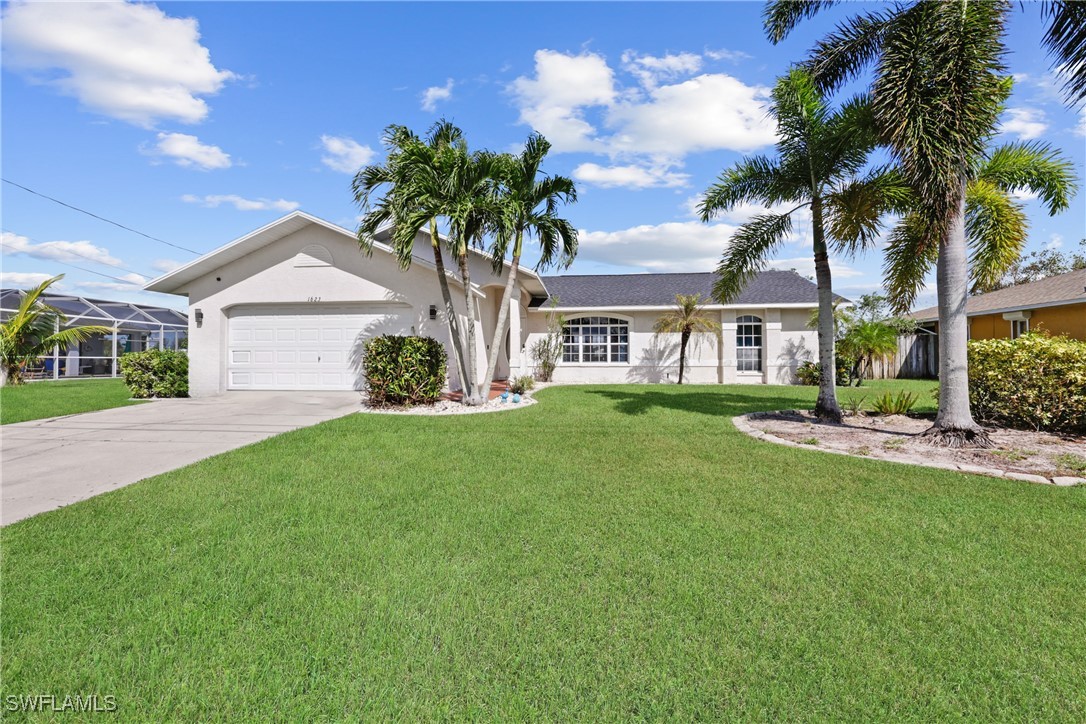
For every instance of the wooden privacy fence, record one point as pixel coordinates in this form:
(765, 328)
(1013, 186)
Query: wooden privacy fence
(917, 357)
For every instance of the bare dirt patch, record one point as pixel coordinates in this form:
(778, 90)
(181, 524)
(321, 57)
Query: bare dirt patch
(896, 437)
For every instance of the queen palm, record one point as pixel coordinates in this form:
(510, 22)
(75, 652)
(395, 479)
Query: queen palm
(687, 319)
(820, 156)
(937, 93)
(414, 178)
(528, 207)
(34, 330)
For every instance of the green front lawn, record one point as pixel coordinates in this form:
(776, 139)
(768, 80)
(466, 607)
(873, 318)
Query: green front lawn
(38, 400)
(614, 552)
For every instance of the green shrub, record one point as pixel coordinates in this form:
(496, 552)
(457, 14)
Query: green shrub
(403, 370)
(156, 373)
(890, 404)
(520, 385)
(808, 373)
(1035, 382)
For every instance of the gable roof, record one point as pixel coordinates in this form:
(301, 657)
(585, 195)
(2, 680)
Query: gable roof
(772, 287)
(1068, 288)
(176, 280)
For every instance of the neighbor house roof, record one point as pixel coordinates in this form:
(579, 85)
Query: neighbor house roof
(768, 288)
(179, 278)
(1069, 288)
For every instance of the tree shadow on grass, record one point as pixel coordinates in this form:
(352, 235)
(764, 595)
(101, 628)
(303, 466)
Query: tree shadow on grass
(711, 402)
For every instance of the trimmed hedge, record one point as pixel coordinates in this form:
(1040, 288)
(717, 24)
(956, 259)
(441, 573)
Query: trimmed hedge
(156, 373)
(403, 370)
(1035, 382)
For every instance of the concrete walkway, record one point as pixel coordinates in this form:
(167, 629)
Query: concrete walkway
(47, 464)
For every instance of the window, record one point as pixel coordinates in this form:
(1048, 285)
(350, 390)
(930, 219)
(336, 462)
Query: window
(596, 339)
(1019, 327)
(748, 343)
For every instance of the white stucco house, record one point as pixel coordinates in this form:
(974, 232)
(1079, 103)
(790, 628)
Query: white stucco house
(287, 306)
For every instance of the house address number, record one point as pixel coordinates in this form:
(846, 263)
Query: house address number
(313, 299)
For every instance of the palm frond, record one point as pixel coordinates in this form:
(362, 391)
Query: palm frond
(1065, 39)
(909, 258)
(855, 211)
(996, 228)
(780, 17)
(852, 46)
(747, 252)
(1031, 166)
(755, 178)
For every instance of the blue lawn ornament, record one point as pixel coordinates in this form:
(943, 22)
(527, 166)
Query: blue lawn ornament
(516, 398)
(505, 396)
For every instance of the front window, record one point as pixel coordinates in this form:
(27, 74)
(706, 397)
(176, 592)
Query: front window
(1019, 327)
(596, 339)
(748, 343)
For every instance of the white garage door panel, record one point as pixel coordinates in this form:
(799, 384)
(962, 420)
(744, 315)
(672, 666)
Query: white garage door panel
(311, 347)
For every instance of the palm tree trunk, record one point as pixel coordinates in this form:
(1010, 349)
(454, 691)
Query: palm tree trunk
(826, 407)
(450, 310)
(683, 340)
(472, 394)
(503, 317)
(954, 425)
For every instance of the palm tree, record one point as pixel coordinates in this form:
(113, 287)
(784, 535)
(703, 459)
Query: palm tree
(416, 196)
(937, 93)
(34, 330)
(866, 341)
(820, 153)
(687, 319)
(471, 191)
(528, 206)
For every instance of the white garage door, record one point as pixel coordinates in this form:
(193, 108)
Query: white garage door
(305, 347)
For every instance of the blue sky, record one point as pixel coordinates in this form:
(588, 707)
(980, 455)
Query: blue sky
(198, 122)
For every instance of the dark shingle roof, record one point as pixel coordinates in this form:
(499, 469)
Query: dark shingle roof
(1068, 288)
(631, 290)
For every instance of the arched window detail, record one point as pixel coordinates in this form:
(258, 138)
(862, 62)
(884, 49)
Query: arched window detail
(313, 255)
(596, 340)
(748, 343)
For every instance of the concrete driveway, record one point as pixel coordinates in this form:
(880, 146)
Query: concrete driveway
(47, 464)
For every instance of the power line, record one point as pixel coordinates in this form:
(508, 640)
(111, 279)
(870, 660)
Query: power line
(100, 218)
(74, 253)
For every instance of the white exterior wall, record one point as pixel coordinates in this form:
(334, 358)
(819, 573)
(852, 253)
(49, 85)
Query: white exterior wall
(786, 343)
(270, 275)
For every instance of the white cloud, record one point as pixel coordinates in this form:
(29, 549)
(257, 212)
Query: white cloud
(1024, 195)
(128, 61)
(725, 54)
(744, 212)
(433, 94)
(667, 247)
(1026, 123)
(188, 152)
(23, 280)
(345, 154)
(651, 70)
(1055, 241)
(632, 177)
(572, 97)
(165, 265)
(563, 85)
(1080, 129)
(132, 282)
(213, 201)
(62, 251)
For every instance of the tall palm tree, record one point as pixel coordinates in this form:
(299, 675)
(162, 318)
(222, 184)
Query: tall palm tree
(413, 178)
(528, 206)
(937, 93)
(33, 330)
(687, 319)
(820, 155)
(471, 183)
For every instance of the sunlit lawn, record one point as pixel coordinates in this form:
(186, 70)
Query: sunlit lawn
(610, 553)
(37, 400)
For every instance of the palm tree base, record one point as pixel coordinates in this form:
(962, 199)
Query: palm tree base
(828, 414)
(957, 437)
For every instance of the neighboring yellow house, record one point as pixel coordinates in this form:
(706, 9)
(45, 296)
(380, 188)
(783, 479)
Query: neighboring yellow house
(1056, 305)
